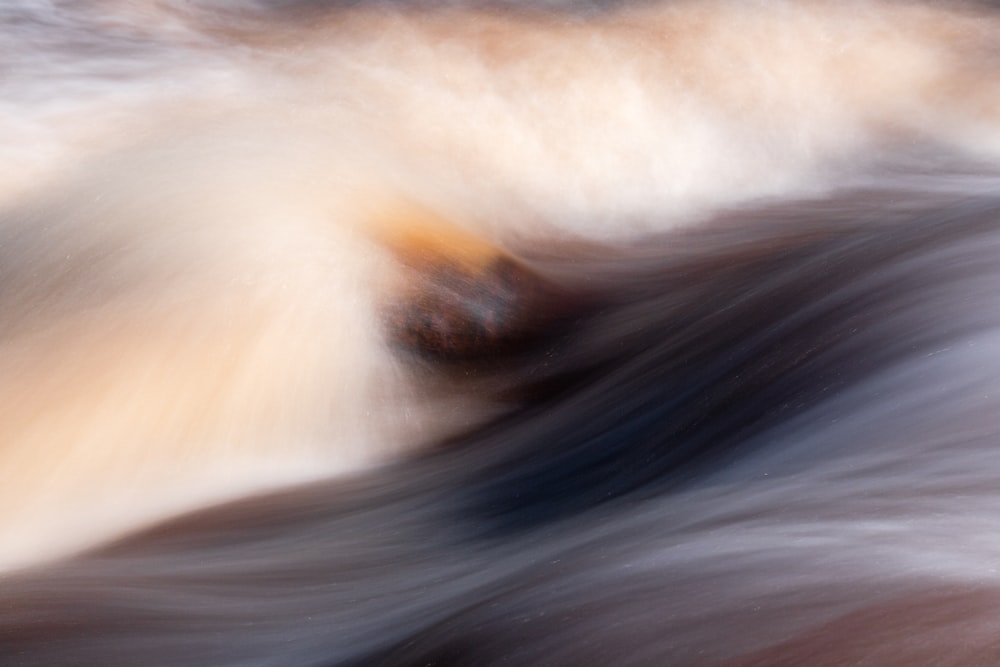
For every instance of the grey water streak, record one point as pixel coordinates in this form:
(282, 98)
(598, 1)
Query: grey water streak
(48, 44)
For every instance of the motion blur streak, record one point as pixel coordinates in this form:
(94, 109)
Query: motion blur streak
(780, 433)
(438, 333)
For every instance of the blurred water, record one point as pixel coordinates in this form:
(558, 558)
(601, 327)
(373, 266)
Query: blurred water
(188, 194)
